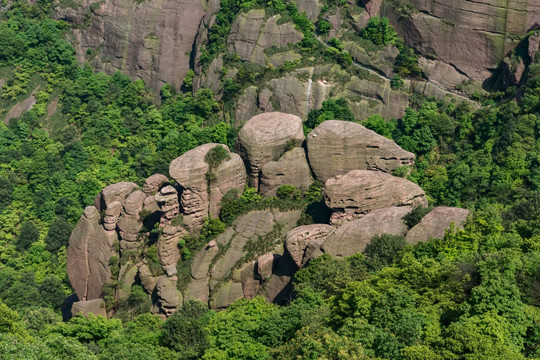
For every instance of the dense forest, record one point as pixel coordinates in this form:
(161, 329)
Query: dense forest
(475, 294)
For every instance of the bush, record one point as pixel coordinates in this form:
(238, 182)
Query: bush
(215, 156)
(211, 228)
(414, 217)
(384, 250)
(29, 234)
(285, 191)
(58, 235)
(323, 27)
(397, 82)
(379, 31)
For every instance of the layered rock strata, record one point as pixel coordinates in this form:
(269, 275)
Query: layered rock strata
(359, 192)
(265, 138)
(336, 147)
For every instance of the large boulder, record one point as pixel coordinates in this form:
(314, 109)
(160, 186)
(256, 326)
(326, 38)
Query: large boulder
(153, 183)
(265, 138)
(167, 248)
(434, 224)
(201, 193)
(354, 236)
(169, 298)
(96, 307)
(89, 251)
(336, 147)
(360, 191)
(114, 193)
(297, 240)
(291, 169)
(129, 224)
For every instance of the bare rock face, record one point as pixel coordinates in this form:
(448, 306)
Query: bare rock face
(298, 239)
(148, 281)
(114, 193)
(90, 248)
(201, 195)
(336, 147)
(169, 298)
(265, 263)
(149, 40)
(360, 191)
(167, 201)
(354, 236)
(167, 248)
(473, 37)
(96, 307)
(154, 183)
(434, 224)
(441, 73)
(250, 34)
(129, 224)
(291, 169)
(265, 137)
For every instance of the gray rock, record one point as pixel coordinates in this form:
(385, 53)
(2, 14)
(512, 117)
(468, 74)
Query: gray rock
(434, 224)
(265, 137)
(354, 236)
(297, 240)
(154, 183)
(96, 307)
(337, 147)
(358, 192)
(291, 169)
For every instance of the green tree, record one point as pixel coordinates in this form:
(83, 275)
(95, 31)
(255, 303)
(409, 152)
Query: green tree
(28, 235)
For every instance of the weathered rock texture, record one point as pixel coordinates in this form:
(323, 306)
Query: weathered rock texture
(251, 34)
(298, 239)
(96, 307)
(90, 248)
(473, 37)
(169, 296)
(201, 195)
(360, 191)
(291, 169)
(336, 147)
(167, 248)
(434, 224)
(265, 138)
(354, 236)
(149, 40)
(224, 279)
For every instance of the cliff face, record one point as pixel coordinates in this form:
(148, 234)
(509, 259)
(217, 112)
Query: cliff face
(471, 36)
(149, 40)
(137, 236)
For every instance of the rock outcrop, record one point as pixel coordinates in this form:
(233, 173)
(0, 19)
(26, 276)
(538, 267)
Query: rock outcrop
(149, 40)
(251, 33)
(473, 37)
(291, 169)
(89, 251)
(358, 192)
(434, 224)
(169, 298)
(96, 307)
(336, 147)
(265, 138)
(298, 239)
(201, 193)
(354, 236)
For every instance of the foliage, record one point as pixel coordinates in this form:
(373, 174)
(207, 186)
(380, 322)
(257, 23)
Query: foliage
(215, 156)
(379, 31)
(414, 217)
(330, 110)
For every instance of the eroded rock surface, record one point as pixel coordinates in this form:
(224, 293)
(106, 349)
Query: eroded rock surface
(360, 191)
(154, 183)
(434, 224)
(169, 296)
(265, 138)
(336, 147)
(201, 195)
(291, 169)
(297, 239)
(354, 236)
(96, 307)
(89, 251)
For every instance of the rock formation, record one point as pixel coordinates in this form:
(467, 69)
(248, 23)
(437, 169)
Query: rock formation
(337, 147)
(434, 224)
(90, 249)
(262, 249)
(291, 169)
(360, 191)
(150, 40)
(265, 138)
(354, 236)
(298, 239)
(201, 194)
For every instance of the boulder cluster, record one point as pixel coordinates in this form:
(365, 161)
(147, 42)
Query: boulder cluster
(131, 234)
